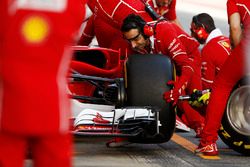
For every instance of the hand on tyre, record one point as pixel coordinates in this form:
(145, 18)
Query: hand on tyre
(173, 94)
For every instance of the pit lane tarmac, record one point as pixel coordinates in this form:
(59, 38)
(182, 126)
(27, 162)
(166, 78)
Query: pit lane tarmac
(92, 152)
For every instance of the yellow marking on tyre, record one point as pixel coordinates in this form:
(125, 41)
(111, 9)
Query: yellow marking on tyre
(238, 143)
(247, 146)
(225, 134)
(188, 145)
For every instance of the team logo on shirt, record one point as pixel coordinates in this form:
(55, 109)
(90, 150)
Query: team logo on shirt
(35, 29)
(225, 45)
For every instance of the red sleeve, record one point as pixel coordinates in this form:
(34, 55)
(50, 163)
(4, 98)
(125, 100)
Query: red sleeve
(88, 33)
(231, 8)
(173, 47)
(171, 14)
(190, 44)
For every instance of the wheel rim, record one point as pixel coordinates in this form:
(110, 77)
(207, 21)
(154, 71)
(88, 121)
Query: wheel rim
(238, 110)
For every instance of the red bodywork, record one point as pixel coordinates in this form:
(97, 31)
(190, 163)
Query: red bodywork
(94, 61)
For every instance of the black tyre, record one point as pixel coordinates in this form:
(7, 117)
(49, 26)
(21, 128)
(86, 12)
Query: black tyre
(147, 76)
(235, 128)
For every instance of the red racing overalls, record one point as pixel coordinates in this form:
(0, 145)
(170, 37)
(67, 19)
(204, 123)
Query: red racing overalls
(34, 57)
(213, 55)
(232, 71)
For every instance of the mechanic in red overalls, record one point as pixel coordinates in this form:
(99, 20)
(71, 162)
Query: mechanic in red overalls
(35, 56)
(216, 47)
(98, 27)
(232, 71)
(169, 39)
(106, 19)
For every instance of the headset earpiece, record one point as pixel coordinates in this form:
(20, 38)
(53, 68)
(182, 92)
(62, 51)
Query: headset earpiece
(148, 30)
(201, 33)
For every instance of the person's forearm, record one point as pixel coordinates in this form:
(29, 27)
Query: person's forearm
(235, 35)
(235, 29)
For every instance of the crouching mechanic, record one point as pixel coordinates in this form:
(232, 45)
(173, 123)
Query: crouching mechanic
(106, 19)
(235, 67)
(216, 47)
(34, 61)
(168, 39)
(98, 26)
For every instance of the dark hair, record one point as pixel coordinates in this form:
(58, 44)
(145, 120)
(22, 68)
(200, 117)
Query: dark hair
(133, 21)
(204, 20)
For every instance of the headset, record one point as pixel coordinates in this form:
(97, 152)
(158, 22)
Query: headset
(136, 22)
(149, 30)
(199, 29)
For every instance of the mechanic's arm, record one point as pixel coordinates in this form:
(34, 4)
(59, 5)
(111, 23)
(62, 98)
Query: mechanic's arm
(180, 86)
(186, 65)
(235, 29)
(88, 33)
(179, 56)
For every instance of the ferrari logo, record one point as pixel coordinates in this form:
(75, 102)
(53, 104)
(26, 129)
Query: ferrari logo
(226, 44)
(35, 29)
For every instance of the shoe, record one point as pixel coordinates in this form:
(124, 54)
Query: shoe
(210, 149)
(117, 142)
(199, 130)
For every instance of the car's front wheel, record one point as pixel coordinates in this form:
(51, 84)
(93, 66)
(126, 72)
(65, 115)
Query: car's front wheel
(146, 80)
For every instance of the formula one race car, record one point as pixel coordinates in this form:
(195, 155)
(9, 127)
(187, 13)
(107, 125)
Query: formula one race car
(118, 98)
(115, 97)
